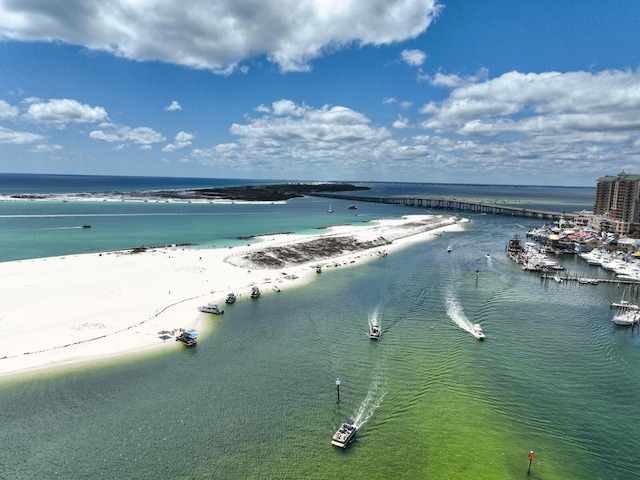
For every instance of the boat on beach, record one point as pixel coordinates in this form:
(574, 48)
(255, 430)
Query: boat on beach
(345, 434)
(276, 288)
(255, 292)
(476, 331)
(187, 338)
(231, 298)
(211, 308)
(374, 332)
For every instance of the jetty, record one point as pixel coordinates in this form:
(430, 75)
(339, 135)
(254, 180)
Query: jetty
(453, 204)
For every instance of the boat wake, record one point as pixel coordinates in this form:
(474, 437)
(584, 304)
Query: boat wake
(456, 313)
(371, 403)
(374, 318)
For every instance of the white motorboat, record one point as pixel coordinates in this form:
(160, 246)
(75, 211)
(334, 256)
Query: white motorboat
(449, 249)
(211, 308)
(477, 332)
(255, 292)
(374, 332)
(231, 298)
(276, 288)
(345, 434)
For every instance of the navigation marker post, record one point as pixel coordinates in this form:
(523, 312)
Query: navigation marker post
(531, 457)
(338, 387)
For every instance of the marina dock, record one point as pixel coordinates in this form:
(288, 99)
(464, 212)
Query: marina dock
(585, 281)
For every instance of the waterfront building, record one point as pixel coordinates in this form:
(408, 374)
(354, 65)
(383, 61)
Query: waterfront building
(618, 199)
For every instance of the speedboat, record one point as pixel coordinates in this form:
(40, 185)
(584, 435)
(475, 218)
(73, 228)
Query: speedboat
(231, 297)
(255, 292)
(476, 331)
(187, 338)
(211, 308)
(449, 249)
(345, 434)
(374, 332)
(276, 288)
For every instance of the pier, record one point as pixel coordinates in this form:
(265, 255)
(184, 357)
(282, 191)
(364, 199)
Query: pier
(454, 204)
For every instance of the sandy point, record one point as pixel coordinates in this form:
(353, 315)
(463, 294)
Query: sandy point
(78, 308)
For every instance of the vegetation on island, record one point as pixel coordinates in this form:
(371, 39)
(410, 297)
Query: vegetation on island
(270, 193)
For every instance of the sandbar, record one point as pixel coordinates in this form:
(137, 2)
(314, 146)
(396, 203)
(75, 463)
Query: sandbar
(81, 308)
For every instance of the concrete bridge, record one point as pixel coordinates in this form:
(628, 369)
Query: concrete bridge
(456, 205)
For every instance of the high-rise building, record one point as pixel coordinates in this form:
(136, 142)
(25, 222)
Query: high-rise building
(618, 199)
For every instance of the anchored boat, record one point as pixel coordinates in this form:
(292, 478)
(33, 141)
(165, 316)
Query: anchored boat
(211, 308)
(187, 338)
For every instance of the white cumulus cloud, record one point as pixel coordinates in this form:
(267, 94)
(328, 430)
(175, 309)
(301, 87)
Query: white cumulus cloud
(143, 136)
(60, 112)
(182, 140)
(18, 138)
(294, 139)
(8, 111)
(173, 106)
(414, 58)
(218, 34)
(601, 106)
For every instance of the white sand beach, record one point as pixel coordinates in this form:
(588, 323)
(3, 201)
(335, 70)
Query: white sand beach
(62, 310)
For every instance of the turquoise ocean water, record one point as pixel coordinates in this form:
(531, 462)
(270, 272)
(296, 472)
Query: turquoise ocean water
(257, 397)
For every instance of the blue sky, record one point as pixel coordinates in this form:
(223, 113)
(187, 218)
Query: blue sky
(542, 92)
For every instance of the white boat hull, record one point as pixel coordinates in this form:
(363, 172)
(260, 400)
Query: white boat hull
(344, 435)
(477, 332)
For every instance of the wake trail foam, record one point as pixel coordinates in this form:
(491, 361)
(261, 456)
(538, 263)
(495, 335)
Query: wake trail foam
(374, 318)
(371, 403)
(456, 313)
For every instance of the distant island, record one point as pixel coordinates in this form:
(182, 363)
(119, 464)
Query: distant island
(259, 193)
(249, 193)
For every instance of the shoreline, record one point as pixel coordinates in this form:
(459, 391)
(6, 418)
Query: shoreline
(85, 308)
